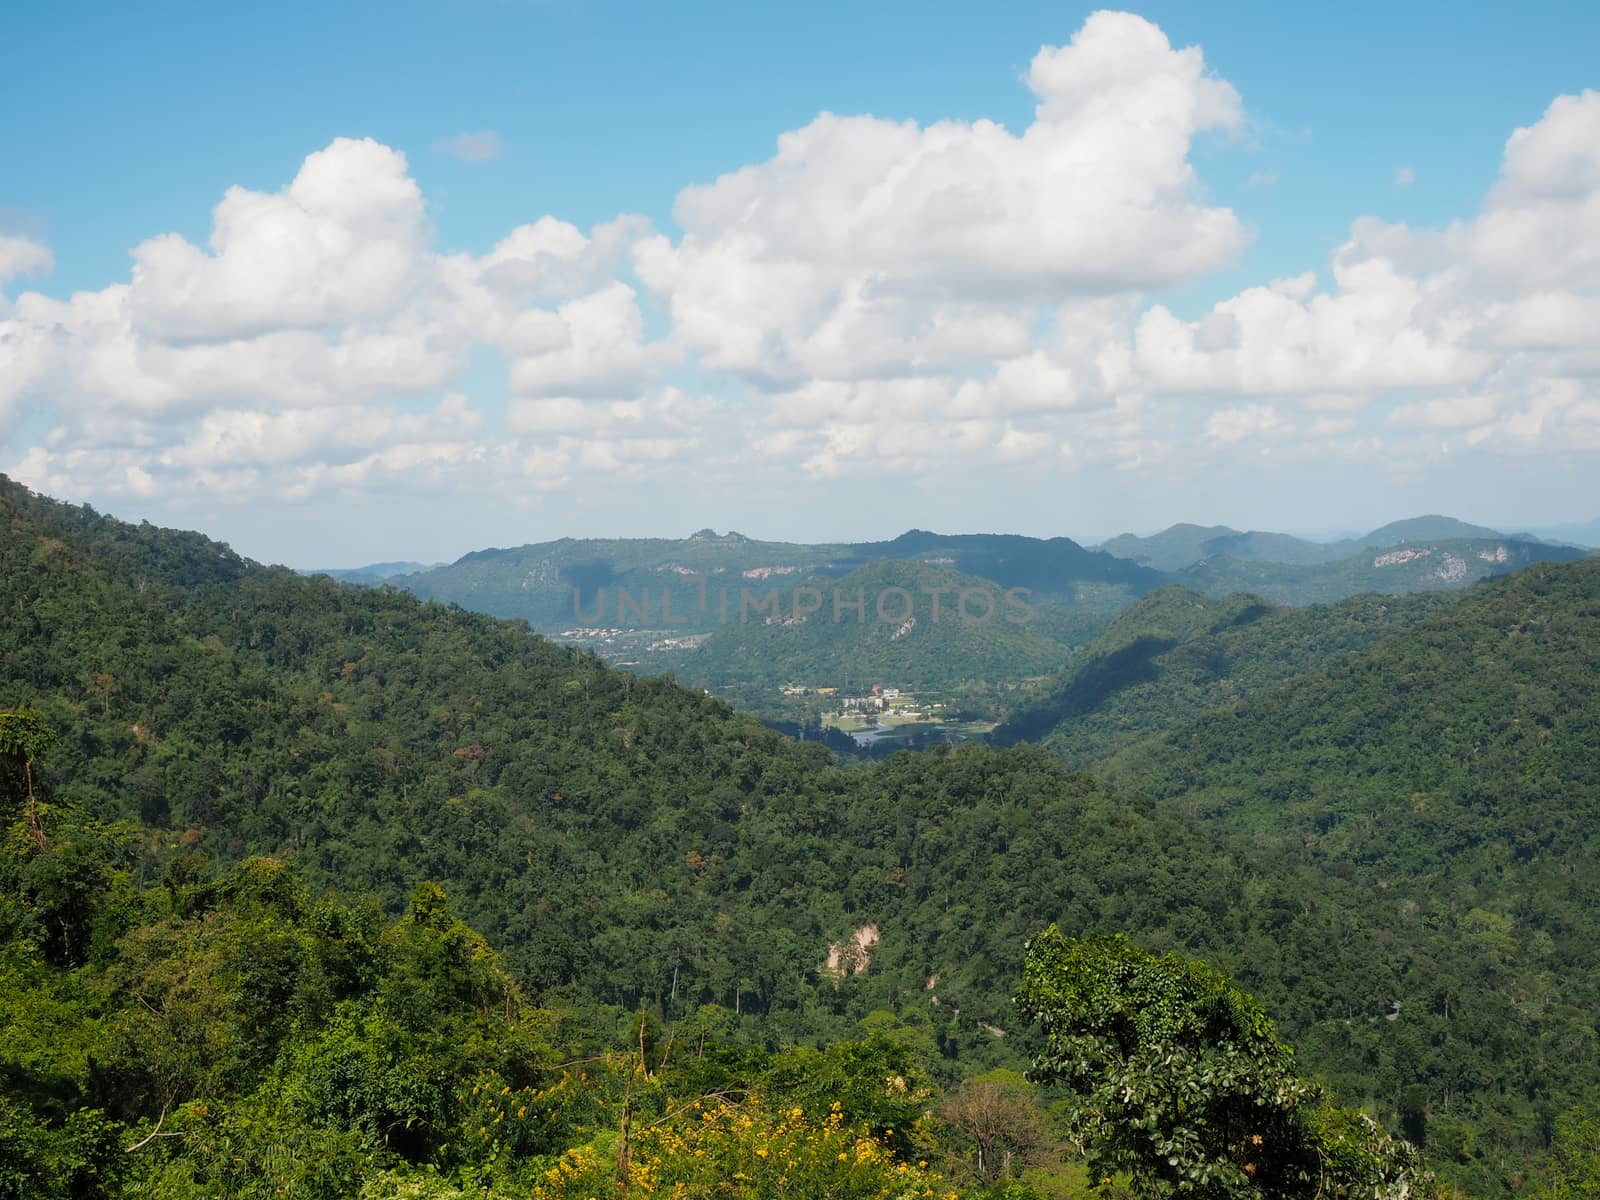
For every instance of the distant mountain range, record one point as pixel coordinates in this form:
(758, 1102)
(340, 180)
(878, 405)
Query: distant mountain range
(691, 585)
(1183, 545)
(572, 583)
(373, 572)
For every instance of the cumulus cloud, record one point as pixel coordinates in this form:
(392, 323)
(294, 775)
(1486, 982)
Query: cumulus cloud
(955, 228)
(23, 256)
(1467, 325)
(876, 296)
(342, 244)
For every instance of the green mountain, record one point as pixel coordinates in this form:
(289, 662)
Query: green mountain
(916, 626)
(1410, 567)
(688, 583)
(1179, 546)
(1453, 769)
(1431, 528)
(631, 844)
(1177, 652)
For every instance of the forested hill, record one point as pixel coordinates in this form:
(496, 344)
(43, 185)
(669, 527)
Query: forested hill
(1412, 567)
(1476, 731)
(1178, 652)
(630, 843)
(1454, 770)
(1183, 545)
(917, 625)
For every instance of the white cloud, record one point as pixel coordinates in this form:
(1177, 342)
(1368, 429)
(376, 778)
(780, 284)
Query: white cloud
(342, 244)
(951, 299)
(915, 230)
(23, 256)
(590, 346)
(1230, 425)
(1467, 325)
(471, 147)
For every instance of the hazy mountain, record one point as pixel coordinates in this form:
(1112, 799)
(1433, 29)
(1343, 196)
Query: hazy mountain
(556, 586)
(373, 572)
(1182, 545)
(1414, 566)
(1585, 533)
(1431, 528)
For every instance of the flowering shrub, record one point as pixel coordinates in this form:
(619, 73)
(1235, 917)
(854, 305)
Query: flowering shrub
(722, 1149)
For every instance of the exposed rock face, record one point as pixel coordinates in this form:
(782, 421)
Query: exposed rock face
(854, 956)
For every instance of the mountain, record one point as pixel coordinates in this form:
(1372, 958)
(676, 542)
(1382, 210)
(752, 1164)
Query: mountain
(1179, 546)
(1408, 567)
(1431, 528)
(1176, 653)
(631, 845)
(1453, 768)
(567, 584)
(1582, 534)
(373, 572)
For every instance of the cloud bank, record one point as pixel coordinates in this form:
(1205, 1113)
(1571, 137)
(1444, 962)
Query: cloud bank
(875, 297)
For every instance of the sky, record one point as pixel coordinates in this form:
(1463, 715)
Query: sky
(348, 282)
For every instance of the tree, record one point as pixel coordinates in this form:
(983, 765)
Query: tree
(996, 1127)
(1574, 1167)
(24, 737)
(1181, 1084)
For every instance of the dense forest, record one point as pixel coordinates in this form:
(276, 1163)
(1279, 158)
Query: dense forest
(628, 846)
(1177, 653)
(918, 627)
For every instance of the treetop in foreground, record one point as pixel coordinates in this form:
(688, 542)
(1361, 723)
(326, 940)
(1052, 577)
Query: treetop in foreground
(1180, 1083)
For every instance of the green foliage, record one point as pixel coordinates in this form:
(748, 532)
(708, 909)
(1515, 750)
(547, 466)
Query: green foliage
(1183, 1086)
(1573, 1170)
(1002, 641)
(1176, 653)
(1417, 912)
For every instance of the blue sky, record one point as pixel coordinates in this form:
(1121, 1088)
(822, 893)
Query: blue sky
(133, 121)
